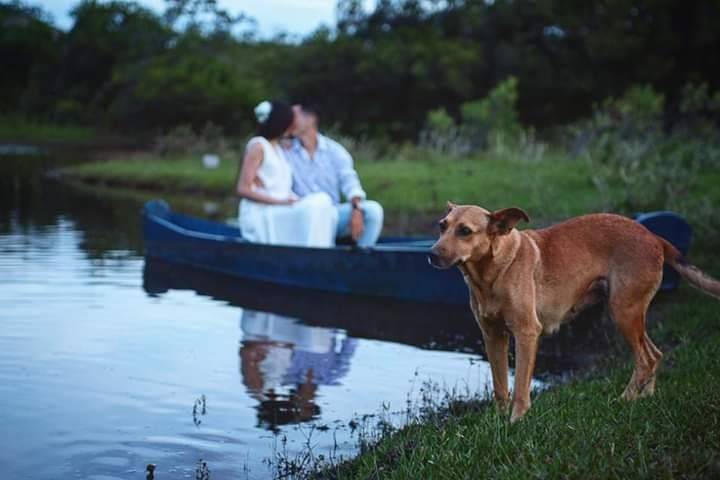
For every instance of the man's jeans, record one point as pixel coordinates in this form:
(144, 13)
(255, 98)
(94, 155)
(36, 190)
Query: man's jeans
(373, 220)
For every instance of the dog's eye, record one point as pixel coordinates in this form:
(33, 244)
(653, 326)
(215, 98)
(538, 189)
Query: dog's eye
(463, 231)
(443, 226)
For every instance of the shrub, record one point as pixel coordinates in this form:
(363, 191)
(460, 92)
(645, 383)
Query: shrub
(639, 167)
(442, 135)
(493, 121)
(183, 140)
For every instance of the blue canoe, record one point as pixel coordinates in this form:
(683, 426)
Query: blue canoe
(395, 268)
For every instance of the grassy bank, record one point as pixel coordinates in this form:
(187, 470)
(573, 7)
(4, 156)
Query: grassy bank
(581, 429)
(404, 186)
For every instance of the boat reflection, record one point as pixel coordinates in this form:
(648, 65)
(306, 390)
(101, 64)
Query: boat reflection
(283, 362)
(445, 327)
(426, 325)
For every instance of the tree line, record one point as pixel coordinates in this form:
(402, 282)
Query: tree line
(376, 72)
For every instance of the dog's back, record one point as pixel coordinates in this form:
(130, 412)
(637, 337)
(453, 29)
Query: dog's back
(586, 257)
(601, 235)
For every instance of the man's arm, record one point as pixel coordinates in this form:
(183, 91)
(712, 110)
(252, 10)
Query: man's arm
(350, 185)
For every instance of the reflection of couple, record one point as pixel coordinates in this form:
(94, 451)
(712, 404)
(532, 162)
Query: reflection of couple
(282, 362)
(291, 195)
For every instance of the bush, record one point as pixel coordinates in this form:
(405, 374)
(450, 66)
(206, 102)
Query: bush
(183, 140)
(490, 123)
(493, 121)
(639, 167)
(442, 135)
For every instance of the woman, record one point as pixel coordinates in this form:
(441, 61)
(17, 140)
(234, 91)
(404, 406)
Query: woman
(269, 211)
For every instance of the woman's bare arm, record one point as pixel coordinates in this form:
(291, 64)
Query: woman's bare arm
(248, 177)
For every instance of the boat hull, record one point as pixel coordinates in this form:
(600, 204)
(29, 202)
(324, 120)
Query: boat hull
(391, 269)
(395, 268)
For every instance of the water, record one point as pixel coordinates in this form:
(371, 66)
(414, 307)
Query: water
(109, 363)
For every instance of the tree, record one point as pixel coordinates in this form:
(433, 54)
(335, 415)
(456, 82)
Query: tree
(29, 44)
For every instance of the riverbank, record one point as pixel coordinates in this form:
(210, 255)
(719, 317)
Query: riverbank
(575, 430)
(399, 185)
(582, 429)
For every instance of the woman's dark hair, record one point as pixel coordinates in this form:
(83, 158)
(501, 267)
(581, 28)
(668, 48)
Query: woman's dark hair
(280, 118)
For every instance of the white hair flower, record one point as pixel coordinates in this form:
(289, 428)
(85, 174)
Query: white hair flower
(262, 111)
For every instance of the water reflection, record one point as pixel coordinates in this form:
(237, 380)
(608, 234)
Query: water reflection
(429, 326)
(283, 362)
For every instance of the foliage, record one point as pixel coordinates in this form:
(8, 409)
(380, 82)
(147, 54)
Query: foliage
(442, 135)
(377, 72)
(493, 120)
(19, 128)
(650, 167)
(29, 46)
(182, 140)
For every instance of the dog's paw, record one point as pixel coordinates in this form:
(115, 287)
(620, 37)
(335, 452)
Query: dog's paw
(518, 412)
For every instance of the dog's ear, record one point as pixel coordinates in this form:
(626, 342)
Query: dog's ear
(450, 206)
(503, 221)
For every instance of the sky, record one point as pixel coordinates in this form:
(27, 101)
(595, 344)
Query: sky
(298, 17)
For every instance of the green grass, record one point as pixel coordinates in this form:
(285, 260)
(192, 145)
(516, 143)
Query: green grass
(17, 128)
(561, 187)
(582, 429)
(487, 181)
(162, 174)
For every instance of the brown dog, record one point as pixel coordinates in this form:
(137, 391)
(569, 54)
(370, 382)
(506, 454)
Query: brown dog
(527, 283)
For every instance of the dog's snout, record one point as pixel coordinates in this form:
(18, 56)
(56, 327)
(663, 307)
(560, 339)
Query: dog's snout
(437, 257)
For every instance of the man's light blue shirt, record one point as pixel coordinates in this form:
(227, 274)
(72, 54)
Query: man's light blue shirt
(330, 170)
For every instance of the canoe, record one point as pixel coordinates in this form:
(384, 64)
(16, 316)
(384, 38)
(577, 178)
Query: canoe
(396, 267)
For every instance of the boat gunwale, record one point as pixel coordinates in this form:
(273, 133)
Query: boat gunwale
(380, 248)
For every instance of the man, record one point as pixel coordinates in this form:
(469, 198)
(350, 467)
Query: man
(320, 164)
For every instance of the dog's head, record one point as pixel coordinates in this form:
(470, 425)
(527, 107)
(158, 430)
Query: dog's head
(467, 233)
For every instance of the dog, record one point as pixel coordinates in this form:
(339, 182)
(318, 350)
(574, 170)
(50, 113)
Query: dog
(527, 283)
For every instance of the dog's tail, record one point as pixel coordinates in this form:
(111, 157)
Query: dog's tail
(695, 277)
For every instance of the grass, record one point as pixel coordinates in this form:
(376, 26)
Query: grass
(400, 186)
(17, 128)
(488, 181)
(581, 429)
(163, 174)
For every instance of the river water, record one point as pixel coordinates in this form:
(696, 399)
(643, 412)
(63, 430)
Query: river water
(109, 363)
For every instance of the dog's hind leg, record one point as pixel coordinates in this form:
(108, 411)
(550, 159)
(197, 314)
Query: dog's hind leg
(629, 313)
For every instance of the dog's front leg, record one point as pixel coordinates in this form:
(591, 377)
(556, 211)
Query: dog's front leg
(496, 348)
(527, 336)
(496, 340)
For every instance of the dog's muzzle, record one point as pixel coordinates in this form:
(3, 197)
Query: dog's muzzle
(437, 262)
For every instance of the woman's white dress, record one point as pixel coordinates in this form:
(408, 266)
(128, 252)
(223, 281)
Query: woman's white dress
(309, 222)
